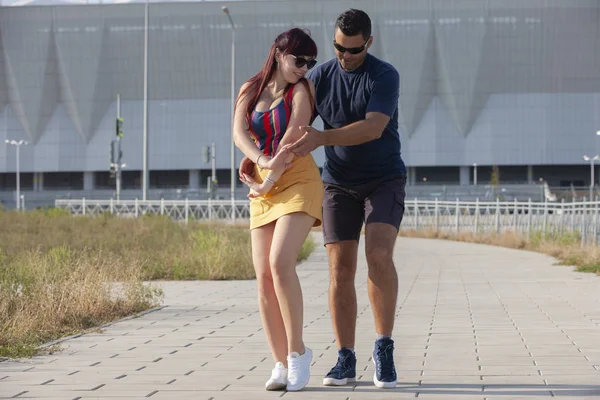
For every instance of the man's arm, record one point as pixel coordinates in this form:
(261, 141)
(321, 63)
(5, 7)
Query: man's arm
(358, 132)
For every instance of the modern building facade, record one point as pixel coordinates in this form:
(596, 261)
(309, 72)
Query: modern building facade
(512, 84)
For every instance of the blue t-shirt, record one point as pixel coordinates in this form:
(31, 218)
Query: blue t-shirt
(344, 97)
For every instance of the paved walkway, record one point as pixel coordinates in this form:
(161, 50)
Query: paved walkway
(474, 322)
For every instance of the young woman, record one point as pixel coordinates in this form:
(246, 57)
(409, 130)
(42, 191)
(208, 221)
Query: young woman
(286, 195)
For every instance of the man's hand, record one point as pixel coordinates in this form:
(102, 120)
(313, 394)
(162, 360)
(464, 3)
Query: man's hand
(246, 167)
(311, 139)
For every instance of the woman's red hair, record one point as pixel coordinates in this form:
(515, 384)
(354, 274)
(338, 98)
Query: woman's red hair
(296, 42)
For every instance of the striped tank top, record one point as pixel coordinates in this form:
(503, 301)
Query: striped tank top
(268, 127)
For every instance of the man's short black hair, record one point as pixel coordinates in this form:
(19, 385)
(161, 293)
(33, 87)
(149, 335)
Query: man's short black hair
(354, 22)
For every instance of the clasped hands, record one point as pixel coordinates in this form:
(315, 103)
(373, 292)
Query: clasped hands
(282, 160)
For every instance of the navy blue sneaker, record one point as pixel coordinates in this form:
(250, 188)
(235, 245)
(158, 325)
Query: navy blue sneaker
(383, 358)
(344, 370)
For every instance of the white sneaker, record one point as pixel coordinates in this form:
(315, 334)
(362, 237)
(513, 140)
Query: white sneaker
(278, 379)
(299, 370)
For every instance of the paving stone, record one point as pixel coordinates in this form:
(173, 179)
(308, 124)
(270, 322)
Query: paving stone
(473, 322)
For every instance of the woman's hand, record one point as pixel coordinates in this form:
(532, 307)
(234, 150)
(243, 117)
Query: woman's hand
(279, 161)
(256, 189)
(246, 167)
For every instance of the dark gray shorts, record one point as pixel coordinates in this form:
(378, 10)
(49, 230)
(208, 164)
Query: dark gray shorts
(346, 208)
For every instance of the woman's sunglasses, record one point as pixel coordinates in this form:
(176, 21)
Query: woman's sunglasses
(301, 62)
(351, 50)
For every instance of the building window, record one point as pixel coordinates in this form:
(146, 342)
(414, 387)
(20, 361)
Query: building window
(438, 175)
(63, 181)
(8, 181)
(174, 179)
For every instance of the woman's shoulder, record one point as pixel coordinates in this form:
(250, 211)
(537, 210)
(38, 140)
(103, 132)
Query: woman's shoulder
(304, 86)
(247, 89)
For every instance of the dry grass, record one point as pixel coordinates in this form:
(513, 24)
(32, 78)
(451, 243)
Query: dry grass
(308, 247)
(47, 295)
(163, 249)
(566, 247)
(57, 272)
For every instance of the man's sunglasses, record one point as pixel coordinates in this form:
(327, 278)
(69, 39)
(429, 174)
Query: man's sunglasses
(351, 50)
(301, 62)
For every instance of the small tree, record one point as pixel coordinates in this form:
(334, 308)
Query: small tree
(495, 177)
(495, 181)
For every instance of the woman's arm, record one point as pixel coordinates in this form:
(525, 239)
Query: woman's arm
(242, 138)
(302, 112)
(301, 115)
(247, 164)
(241, 131)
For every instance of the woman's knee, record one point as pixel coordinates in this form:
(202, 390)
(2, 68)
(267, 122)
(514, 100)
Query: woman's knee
(264, 281)
(283, 265)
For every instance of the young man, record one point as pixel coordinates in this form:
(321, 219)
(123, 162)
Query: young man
(364, 176)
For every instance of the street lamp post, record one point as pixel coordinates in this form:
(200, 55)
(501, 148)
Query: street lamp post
(145, 172)
(226, 11)
(18, 144)
(591, 160)
(475, 174)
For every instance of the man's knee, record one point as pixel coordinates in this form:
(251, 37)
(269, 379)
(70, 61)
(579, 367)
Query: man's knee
(379, 257)
(379, 245)
(342, 275)
(342, 262)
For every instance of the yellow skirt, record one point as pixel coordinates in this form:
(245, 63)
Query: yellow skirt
(299, 189)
